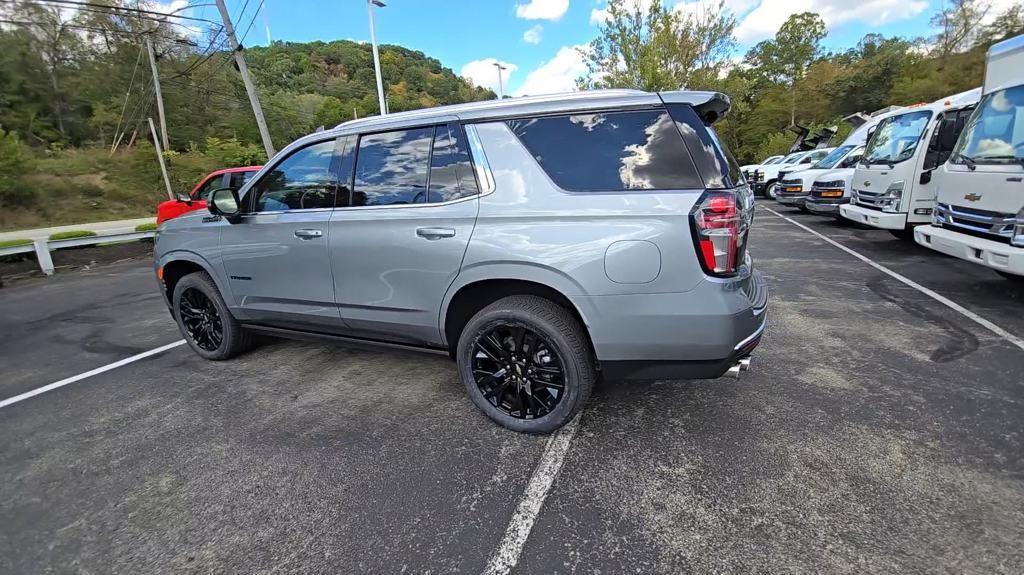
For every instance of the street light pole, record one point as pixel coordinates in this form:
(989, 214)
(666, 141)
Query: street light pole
(501, 94)
(376, 56)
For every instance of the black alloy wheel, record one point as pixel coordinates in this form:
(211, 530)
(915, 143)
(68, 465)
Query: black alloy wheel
(201, 320)
(518, 371)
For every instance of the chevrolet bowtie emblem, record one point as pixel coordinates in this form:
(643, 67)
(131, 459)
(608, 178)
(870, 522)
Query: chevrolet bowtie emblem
(972, 197)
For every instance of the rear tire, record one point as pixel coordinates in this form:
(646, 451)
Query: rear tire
(204, 320)
(526, 363)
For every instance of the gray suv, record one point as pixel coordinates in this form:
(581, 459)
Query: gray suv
(542, 242)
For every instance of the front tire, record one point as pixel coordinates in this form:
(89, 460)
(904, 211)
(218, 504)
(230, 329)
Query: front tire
(204, 320)
(770, 191)
(526, 363)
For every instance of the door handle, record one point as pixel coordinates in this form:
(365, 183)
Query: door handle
(308, 234)
(435, 233)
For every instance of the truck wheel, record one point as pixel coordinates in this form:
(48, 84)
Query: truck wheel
(526, 363)
(204, 319)
(769, 191)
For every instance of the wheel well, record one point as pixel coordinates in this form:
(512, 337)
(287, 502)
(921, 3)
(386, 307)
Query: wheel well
(474, 297)
(174, 271)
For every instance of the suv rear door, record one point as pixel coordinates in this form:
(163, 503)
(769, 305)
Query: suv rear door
(398, 241)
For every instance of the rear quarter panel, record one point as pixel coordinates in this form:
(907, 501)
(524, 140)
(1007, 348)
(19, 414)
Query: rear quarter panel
(530, 229)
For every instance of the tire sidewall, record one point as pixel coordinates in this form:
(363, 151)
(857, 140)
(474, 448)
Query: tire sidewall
(487, 320)
(194, 281)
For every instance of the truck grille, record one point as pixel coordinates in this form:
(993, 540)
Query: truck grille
(868, 199)
(992, 225)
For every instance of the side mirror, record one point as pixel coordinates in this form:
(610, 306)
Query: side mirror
(183, 199)
(224, 202)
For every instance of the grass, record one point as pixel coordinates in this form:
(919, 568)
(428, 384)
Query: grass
(15, 243)
(150, 227)
(70, 234)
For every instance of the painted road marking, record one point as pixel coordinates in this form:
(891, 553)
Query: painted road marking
(90, 373)
(939, 298)
(507, 554)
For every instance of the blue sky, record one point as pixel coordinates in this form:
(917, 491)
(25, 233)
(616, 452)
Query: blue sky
(468, 36)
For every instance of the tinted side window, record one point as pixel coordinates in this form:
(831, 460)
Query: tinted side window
(639, 150)
(716, 164)
(451, 175)
(304, 180)
(391, 168)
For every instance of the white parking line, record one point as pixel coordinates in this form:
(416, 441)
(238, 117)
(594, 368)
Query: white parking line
(90, 373)
(939, 298)
(507, 554)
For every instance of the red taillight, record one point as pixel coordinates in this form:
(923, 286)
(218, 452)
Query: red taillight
(719, 230)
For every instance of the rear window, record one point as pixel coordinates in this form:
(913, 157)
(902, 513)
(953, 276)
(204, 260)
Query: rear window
(609, 151)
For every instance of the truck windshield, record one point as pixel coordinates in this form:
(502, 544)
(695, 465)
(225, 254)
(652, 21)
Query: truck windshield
(830, 161)
(896, 138)
(793, 158)
(995, 132)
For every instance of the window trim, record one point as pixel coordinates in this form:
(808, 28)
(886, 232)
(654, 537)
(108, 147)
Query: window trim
(250, 193)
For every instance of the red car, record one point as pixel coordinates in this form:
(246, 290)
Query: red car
(226, 178)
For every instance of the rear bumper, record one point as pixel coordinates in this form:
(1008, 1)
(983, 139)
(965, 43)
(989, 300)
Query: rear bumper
(693, 335)
(827, 207)
(795, 200)
(992, 254)
(874, 218)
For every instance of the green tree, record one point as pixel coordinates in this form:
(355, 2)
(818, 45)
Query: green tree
(655, 48)
(785, 58)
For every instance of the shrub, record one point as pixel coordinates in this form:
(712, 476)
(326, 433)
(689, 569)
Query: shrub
(72, 234)
(15, 161)
(146, 227)
(15, 243)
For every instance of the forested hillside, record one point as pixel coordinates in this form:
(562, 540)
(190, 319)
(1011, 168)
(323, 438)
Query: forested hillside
(73, 83)
(63, 86)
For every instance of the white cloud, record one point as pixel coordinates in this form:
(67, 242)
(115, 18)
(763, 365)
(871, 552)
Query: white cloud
(556, 75)
(737, 7)
(764, 20)
(483, 73)
(532, 36)
(542, 9)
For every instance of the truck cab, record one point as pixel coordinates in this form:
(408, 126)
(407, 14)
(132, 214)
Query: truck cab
(893, 186)
(979, 214)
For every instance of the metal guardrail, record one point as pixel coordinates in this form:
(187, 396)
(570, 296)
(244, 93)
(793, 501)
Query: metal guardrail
(43, 247)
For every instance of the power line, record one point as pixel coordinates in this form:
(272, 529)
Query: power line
(140, 11)
(135, 35)
(251, 21)
(127, 94)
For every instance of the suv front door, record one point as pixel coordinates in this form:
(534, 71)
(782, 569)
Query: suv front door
(397, 243)
(276, 257)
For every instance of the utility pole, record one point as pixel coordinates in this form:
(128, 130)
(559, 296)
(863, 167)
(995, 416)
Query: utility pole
(376, 57)
(159, 95)
(250, 88)
(501, 90)
(160, 157)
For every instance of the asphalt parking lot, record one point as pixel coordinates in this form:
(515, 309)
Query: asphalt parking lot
(879, 431)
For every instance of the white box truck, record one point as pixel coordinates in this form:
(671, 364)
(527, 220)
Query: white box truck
(893, 188)
(979, 214)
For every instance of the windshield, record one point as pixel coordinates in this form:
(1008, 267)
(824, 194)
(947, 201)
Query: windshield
(995, 133)
(774, 160)
(896, 138)
(830, 161)
(793, 158)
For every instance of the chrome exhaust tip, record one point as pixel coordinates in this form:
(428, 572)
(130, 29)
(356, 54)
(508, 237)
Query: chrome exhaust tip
(744, 364)
(734, 371)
